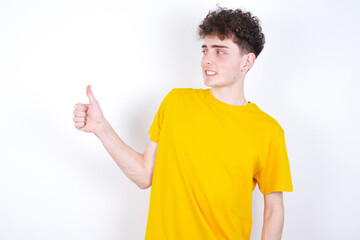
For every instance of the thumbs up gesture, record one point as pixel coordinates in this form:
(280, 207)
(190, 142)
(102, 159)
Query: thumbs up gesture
(88, 116)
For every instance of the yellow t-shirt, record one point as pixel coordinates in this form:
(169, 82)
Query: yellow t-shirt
(209, 158)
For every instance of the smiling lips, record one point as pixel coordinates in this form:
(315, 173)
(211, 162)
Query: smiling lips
(210, 73)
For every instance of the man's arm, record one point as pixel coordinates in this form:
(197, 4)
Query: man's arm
(136, 166)
(273, 216)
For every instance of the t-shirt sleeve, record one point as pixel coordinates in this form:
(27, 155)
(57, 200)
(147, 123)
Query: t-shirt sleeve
(157, 123)
(275, 176)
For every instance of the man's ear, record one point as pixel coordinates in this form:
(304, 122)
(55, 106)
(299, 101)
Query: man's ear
(249, 60)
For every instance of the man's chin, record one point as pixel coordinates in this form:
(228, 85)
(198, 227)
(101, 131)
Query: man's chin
(209, 83)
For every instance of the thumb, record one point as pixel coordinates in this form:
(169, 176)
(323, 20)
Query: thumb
(90, 94)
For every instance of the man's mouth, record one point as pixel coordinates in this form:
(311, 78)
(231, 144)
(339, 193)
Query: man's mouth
(210, 73)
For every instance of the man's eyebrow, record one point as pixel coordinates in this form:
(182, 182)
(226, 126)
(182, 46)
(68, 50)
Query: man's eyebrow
(215, 46)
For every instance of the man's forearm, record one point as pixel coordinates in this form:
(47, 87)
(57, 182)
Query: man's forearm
(129, 161)
(273, 225)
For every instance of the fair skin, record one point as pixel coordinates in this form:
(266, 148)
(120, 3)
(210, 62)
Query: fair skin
(224, 69)
(136, 166)
(273, 219)
(229, 67)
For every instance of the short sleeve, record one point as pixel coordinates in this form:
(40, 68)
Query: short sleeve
(275, 176)
(156, 125)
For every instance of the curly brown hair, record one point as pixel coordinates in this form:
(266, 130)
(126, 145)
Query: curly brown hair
(242, 26)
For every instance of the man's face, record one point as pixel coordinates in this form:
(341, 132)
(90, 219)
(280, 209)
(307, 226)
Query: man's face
(221, 62)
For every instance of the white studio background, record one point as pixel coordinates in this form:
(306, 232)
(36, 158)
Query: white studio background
(57, 182)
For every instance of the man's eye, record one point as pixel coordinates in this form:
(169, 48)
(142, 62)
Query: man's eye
(203, 51)
(220, 52)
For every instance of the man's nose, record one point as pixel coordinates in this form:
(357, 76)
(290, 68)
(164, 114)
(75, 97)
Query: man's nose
(208, 60)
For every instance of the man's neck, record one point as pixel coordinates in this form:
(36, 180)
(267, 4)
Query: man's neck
(230, 95)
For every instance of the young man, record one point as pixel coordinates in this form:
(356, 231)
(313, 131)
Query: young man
(211, 146)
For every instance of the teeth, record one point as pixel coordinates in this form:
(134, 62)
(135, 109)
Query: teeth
(210, 73)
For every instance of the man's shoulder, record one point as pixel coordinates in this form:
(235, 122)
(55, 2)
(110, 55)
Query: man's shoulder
(184, 92)
(269, 121)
